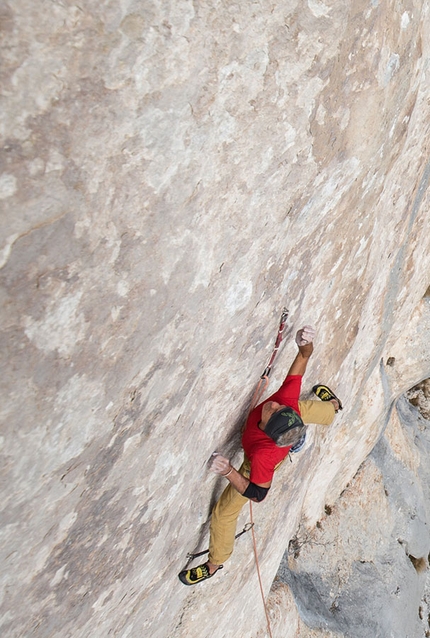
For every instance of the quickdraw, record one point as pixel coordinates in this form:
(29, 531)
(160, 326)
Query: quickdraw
(268, 369)
(279, 337)
(246, 528)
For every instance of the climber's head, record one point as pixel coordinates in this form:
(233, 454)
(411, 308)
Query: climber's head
(281, 423)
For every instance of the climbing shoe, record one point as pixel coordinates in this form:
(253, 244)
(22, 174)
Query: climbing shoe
(325, 394)
(196, 574)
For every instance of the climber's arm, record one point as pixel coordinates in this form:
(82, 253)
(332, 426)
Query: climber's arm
(255, 492)
(304, 340)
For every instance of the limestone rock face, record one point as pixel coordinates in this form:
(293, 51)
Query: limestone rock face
(363, 571)
(420, 397)
(172, 175)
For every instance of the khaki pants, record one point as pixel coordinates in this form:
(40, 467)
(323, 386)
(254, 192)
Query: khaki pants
(227, 509)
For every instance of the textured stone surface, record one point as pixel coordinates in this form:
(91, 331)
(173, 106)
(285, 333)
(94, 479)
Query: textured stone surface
(420, 397)
(172, 175)
(363, 571)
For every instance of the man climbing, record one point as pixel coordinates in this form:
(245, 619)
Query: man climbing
(272, 430)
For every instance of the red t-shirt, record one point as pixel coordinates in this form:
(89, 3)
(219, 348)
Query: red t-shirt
(260, 449)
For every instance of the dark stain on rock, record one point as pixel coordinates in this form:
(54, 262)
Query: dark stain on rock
(420, 564)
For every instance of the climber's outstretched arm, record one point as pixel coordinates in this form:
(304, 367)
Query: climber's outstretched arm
(304, 340)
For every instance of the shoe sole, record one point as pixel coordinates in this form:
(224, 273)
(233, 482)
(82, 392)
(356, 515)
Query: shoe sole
(182, 577)
(331, 394)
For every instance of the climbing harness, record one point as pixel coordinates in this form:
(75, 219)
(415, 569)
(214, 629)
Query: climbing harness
(246, 528)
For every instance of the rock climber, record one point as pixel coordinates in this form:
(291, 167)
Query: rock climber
(273, 429)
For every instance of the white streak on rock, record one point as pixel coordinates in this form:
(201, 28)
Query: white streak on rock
(8, 185)
(60, 329)
(238, 296)
(5, 252)
(319, 9)
(122, 288)
(405, 21)
(56, 161)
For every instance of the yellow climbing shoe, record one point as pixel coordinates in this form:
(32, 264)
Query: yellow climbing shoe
(196, 574)
(325, 394)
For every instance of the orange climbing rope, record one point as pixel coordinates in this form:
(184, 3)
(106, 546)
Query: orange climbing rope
(260, 389)
(254, 543)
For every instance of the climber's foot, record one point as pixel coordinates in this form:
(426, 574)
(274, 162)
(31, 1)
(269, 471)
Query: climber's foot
(197, 574)
(324, 393)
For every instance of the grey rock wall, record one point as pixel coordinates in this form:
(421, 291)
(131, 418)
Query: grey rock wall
(172, 175)
(363, 571)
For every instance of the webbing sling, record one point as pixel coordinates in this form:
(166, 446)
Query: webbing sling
(260, 389)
